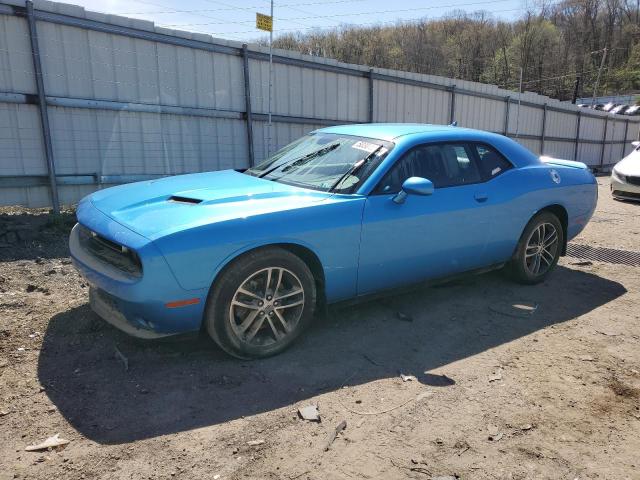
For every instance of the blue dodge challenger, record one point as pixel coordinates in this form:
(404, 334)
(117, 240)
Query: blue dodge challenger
(344, 212)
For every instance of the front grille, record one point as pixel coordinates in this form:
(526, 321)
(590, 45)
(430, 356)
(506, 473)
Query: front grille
(633, 180)
(110, 252)
(620, 193)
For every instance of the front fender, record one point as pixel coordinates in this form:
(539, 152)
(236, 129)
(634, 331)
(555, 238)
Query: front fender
(255, 245)
(330, 229)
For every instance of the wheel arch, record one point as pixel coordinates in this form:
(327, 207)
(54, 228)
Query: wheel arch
(303, 252)
(562, 214)
(312, 260)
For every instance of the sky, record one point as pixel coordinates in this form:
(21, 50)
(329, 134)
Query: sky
(235, 20)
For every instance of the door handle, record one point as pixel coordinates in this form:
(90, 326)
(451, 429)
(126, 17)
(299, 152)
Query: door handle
(481, 197)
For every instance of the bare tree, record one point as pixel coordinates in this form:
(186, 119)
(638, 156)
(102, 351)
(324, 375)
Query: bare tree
(553, 42)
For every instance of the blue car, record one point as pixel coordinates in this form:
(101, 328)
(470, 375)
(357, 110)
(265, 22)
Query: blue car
(342, 213)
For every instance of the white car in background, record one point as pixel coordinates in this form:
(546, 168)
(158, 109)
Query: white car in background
(625, 176)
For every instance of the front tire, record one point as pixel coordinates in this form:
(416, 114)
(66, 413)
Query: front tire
(261, 303)
(538, 250)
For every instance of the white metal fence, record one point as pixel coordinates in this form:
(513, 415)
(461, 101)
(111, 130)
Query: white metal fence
(88, 100)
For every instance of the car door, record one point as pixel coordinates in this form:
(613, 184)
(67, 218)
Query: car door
(425, 236)
(503, 189)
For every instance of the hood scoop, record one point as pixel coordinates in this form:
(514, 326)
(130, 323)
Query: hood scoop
(179, 199)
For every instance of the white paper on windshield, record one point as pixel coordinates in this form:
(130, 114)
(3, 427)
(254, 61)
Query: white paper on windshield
(366, 146)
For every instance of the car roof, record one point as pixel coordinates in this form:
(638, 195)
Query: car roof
(384, 131)
(408, 134)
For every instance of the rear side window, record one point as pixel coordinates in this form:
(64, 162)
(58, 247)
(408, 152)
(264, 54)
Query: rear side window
(492, 162)
(446, 165)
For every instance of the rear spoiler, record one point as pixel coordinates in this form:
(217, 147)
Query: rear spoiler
(563, 163)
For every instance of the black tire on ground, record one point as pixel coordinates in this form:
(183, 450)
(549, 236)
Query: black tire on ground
(522, 265)
(254, 266)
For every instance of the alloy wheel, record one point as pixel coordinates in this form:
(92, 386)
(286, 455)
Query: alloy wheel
(267, 306)
(541, 249)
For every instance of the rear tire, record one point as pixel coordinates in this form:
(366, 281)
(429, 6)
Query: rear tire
(261, 303)
(538, 250)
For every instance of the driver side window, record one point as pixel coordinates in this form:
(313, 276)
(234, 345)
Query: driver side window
(446, 165)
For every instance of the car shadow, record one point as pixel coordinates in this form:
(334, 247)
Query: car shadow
(173, 386)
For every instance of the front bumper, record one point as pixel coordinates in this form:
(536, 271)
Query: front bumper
(135, 305)
(106, 308)
(624, 190)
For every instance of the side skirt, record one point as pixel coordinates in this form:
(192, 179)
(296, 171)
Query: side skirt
(369, 297)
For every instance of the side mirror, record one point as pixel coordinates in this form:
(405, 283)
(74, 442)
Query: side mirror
(414, 186)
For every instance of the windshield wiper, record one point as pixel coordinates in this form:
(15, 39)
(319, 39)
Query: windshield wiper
(354, 168)
(304, 159)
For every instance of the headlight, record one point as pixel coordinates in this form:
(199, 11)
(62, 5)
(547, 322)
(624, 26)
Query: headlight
(110, 252)
(618, 176)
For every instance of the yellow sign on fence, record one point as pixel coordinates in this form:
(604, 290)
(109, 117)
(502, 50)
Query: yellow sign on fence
(264, 22)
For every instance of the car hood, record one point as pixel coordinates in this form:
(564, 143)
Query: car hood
(160, 207)
(630, 165)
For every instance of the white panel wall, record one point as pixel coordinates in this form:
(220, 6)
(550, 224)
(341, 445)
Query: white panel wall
(589, 153)
(533, 145)
(16, 65)
(302, 92)
(561, 124)
(79, 63)
(397, 102)
(29, 196)
(121, 143)
(21, 148)
(559, 149)
(527, 122)
(633, 133)
(482, 113)
(591, 128)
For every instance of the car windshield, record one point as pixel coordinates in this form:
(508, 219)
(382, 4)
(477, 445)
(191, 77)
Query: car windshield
(324, 161)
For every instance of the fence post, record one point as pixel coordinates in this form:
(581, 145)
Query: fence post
(370, 95)
(452, 104)
(247, 103)
(42, 103)
(544, 128)
(604, 140)
(507, 105)
(624, 140)
(577, 141)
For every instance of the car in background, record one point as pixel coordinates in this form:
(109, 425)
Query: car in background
(633, 110)
(343, 213)
(619, 109)
(625, 176)
(613, 108)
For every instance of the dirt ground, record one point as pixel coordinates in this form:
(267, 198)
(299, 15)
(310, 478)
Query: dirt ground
(498, 393)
